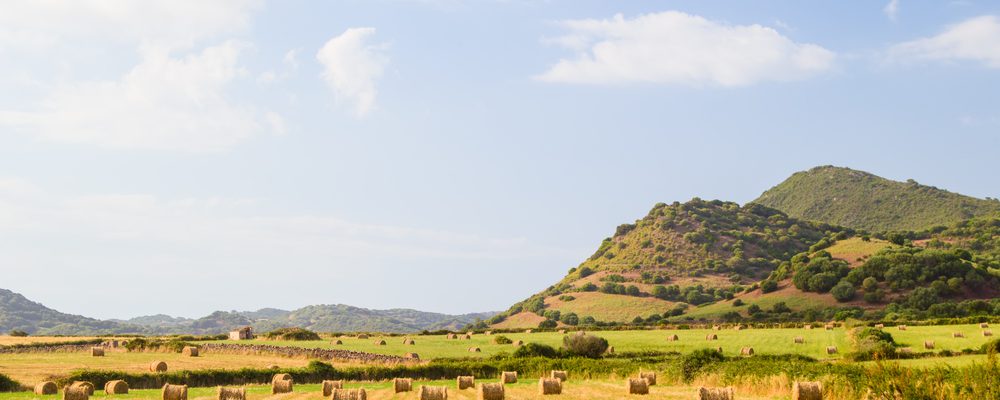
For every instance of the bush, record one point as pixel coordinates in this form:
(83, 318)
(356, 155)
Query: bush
(536, 350)
(843, 291)
(698, 359)
(501, 339)
(547, 324)
(737, 302)
(768, 286)
(8, 385)
(292, 334)
(589, 346)
(18, 333)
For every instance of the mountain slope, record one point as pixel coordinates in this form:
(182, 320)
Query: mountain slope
(17, 312)
(861, 200)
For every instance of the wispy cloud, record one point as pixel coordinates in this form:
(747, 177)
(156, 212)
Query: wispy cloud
(891, 9)
(976, 39)
(352, 67)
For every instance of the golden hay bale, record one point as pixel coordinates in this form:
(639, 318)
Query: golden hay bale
(901, 327)
(231, 393)
(488, 333)
(400, 385)
(362, 336)
(560, 375)
(508, 377)
(47, 387)
(190, 351)
(929, 344)
(328, 387)
(637, 386)
(562, 331)
(281, 377)
(75, 393)
(490, 391)
(174, 392)
(474, 350)
(89, 387)
(549, 386)
(116, 387)
(879, 326)
(807, 391)
(349, 394)
(719, 349)
(831, 350)
(716, 327)
(413, 356)
(467, 336)
(281, 386)
(987, 332)
(725, 393)
(746, 351)
(738, 328)
(808, 326)
(466, 382)
(157, 366)
(958, 335)
(984, 325)
(451, 336)
(97, 351)
(433, 393)
(649, 376)
(518, 343)
(610, 350)
(905, 350)
(673, 338)
(380, 342)
(409, 342)
(829, 327)
(338, 342)
(799, 340)
(529, 331)
(712, 336)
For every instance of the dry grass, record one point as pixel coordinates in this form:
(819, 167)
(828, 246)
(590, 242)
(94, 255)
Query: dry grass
(12, 340)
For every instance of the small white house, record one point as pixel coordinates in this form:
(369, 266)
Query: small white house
(244, 333)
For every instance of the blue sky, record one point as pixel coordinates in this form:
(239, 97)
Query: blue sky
(454, 156)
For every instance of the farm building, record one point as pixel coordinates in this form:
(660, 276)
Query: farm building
(244, 333)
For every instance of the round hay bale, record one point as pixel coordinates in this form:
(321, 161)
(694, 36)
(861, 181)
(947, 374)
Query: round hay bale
(328, 387)
(712, 336)
(829, 327)
(637, 386)
(725, 393)
(529, 331)
(451, 336)
(46, 388)
(719, 349)
(808, 326)
(190, 351)
(474, 350)
(466, 382)
(467, 336)
(610, 350)
(560, 375)
(549, 386)
(87, 386)
(231, 393)
(987, 332)
(807, 391)
(97, 351)
(831, 350)
(281, 377)
(716, 327)
(929, 344)
(984, 325)
(400, 385)
(433, 392)
(409, 342)
(349, 394)
(901, 327)
(879, 326)
(746, 351)
(673, 338)
(338, 342)
(518, 343)
(649, 376)
(281, 386)
(490, 391)
(562, 331)
(906, 350)
(116, 387)
(412, 356)
(958, 335)
(799, 340)
(488, 333)
(174, 392)
(738, 328)
(508, 377)
(362, 336)
(157, 366)
(75, 393)
(380, 342)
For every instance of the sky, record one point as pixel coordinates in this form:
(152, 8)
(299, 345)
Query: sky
(181, 157)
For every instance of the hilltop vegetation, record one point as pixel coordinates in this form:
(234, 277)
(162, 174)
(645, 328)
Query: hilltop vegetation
(861, 200)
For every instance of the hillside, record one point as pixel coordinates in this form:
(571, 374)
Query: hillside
(17, 312)
(861, 200)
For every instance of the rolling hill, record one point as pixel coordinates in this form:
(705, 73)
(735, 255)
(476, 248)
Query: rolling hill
(860, 200)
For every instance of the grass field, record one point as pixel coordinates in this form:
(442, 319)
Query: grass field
(852, 249)
(610, 307)
(13, 340)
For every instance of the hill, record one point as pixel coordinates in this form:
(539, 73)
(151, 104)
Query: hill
(861, 200)
(19, 313)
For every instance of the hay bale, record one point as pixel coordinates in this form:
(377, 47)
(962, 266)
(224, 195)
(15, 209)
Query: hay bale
(474, 350)
(281, 377)
(46, 388)
(673, 338)
(488, 333)
(87, 386)
(808, 326)
(649, 376)
(409, 342)
(280, 386)
(725, 393)
(799, 340)
(712, 336)
(231, 393)
(380, 342)
(987, 332)
(328, 387)
(465, 382)
(490, 391)
(716, 327)
(467, 336)
(412, 356)
(362, 336)
(75, 393)
(116, 387)
(451, 336)
(958, 335)
(746, 351)
(905, 350)
(190, 351)
(560, 375)
(508, 377)
(157, 366)
(879, 326)
(901, 327)
(400, 385)
(174, 392)
(529, 331)
(929, 344)
(562, 331)
(549, 386)
(829, 327)
(637, 386)
(349, 394)
(831, 350)
(338, 342)
(807, 391)
(610, 350)
(433, 392)
(984, 325)
(97, 351)
(719, 349)
(738, 328)
(518, 343)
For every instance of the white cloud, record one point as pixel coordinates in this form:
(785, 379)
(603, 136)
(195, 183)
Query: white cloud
(976, 39)
(891, 9)
(677, 48)
(162, 103)
(352, 67)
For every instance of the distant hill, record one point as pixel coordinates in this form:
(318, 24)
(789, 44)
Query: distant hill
(861, 200)
(17, 312)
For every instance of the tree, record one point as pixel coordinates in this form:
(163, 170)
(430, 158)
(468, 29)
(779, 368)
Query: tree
(737, 302)
(18, 333)
(589, 346)
(753, 309)
(843, 291)
(869, 284)
(822, 282)
(632, 290)
(547, 324)
(768, 286)
(660, 292)
(780, 307)
(570, 319)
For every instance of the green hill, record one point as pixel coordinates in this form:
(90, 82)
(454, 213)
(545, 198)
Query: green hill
(860, 200)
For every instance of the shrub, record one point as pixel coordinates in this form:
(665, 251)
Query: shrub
(547, 324)
(737, 302)
(570, 319)
(843, 291)
(501, 339)
(698, 359)
(768, 286)
(589, 346)
(292, 334)
(8, 385)
(18, 333)
(585, 272)
(536, 350)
